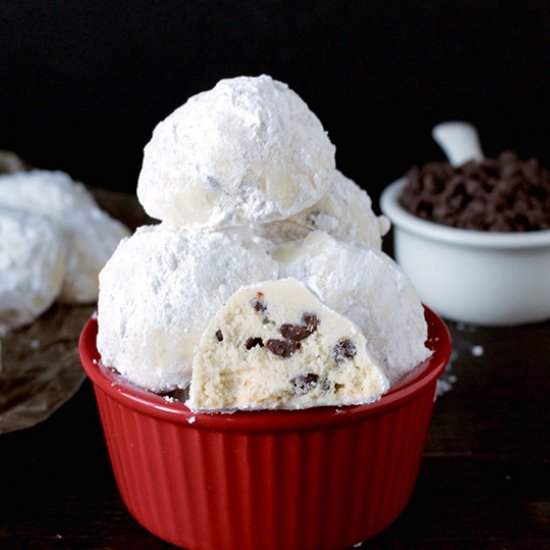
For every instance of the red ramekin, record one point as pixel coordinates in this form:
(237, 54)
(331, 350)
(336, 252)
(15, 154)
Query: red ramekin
(323, 478)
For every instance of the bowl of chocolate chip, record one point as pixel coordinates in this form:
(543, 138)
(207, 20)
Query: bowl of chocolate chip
(473, 234)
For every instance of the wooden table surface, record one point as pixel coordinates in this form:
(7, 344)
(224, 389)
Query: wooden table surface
(484, 480)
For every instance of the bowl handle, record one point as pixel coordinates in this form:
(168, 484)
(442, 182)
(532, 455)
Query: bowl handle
(459, 141)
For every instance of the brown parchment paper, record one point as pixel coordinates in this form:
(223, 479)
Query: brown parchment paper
(40, 368)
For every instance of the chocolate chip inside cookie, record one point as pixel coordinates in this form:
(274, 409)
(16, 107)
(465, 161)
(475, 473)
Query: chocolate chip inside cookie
(309, 325)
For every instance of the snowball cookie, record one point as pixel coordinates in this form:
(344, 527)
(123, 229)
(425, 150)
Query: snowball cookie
(32, 265)
(367, 286)
(248, 151)
(274, 345)
(50, 193)
(345, 211)
(91, 234)
(158, 292)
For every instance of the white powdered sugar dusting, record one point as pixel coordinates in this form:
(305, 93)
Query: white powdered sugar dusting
(345, 211)
(248, 151)
(91, 235)
(158, 292)
(477, 351)
(50, 193)
(447, 379)
(32, 265)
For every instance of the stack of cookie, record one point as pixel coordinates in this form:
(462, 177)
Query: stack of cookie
(244, 180)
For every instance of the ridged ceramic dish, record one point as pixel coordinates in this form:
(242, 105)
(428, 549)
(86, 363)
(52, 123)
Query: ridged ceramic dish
(472, 276)
(315, 479)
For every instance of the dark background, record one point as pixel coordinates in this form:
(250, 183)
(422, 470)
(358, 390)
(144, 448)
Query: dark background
(82, 84)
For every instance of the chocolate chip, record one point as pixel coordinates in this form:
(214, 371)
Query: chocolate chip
(282, 348)
(258, 303)
(259, 306)
(311, 322)
(219, 335)
(344, 349)
(451, 195)
(305, 382)
(294, 332)
(311, 219)
(309, 325)
(253, 342)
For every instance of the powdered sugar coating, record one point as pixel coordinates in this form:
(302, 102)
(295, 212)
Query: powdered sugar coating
(32, 265)
(369, 288)
(91, 234)
(158, 292)
(50, 193)
(248, 151)
(345, 211)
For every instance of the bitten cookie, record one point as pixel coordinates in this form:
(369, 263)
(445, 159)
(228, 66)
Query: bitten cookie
(274, 345)
(32, 266)
(369, 288)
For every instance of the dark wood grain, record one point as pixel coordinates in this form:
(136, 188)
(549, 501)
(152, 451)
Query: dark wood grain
(484, 480)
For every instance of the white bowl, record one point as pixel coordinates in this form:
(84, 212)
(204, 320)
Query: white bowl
(472, 276)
